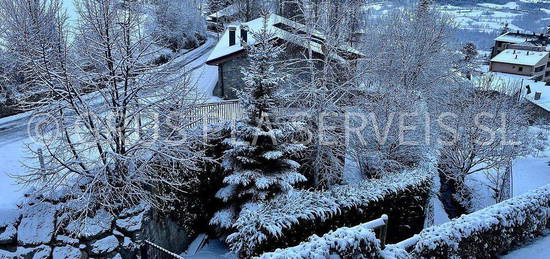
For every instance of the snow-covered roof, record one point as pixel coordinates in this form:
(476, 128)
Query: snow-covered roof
(281, 28)
(520, 57)
(227, 11)
(517, 38)
(512, 84)
(508, 84)
(544, 101)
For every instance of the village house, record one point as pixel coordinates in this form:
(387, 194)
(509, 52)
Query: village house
(524, 54)
(521, 40)
(230, 57)
(538, 95)
(533, 64)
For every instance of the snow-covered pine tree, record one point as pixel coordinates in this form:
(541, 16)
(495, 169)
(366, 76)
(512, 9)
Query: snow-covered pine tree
(258, 160)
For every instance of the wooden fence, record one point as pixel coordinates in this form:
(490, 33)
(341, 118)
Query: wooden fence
(208, 113)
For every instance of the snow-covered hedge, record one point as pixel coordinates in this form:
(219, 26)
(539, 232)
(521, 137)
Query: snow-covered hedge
(292, 218)
(345, 242)
(490, 231)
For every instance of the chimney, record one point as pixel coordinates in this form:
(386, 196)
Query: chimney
(538, 95)
(244, 33)
(232, 35)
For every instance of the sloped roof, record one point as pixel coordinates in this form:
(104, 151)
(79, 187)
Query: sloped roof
(227, 11)
(281, 28)
(544, 101)
(520, 57)
(518, 37)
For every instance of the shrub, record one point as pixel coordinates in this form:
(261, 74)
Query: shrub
(355, 242)
(289, 219)
(178, 24)
(490, 231)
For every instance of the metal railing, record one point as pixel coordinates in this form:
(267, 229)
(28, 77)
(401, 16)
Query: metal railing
(409, 243)
(152, 251)
(380, 227)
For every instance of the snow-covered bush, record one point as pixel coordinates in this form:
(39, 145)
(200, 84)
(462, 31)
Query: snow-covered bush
(490, 231)
(291, 218)
(355, 242)
(178, 24)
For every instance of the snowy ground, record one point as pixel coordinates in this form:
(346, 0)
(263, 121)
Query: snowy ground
(529, 173)
(14, 134)
(539, 248)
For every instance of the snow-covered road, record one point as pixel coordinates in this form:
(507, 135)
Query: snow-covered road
(14, 133)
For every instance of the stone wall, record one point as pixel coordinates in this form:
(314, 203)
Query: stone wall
(232, 78)
(41, 229)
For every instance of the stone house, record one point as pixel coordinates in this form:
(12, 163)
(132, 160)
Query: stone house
(230, 57)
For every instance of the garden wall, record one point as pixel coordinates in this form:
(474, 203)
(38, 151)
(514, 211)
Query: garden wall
(486, 233)
(354, 242)
(290, 219)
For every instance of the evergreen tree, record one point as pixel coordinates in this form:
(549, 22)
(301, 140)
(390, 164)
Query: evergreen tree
(258, 162)
(469, 51)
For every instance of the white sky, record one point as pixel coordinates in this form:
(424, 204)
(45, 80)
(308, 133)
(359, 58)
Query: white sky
(71, 11)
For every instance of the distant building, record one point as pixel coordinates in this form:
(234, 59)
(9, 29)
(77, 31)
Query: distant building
(536, 95)
(539, 97)
(534, 64)
(229, 55)
(520, 40)
(226, 15)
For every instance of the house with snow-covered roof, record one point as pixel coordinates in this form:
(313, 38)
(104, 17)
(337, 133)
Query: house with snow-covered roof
(521, 40)
(538, 95)
(229, 55)
(533, 64)
(535, 94)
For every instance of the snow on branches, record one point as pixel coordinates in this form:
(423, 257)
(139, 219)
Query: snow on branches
(258, 158)
(345, 242)
(263, 226)
(490, 231)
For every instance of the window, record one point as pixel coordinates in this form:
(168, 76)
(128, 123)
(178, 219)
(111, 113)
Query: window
(539, 69)
(520, 69)
(547, 74)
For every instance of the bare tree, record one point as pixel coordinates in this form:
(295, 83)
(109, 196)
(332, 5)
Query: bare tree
(119, 144)
(322, 82)
(32, 31)
(482, 130)
(387, 132)
(411, 49)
